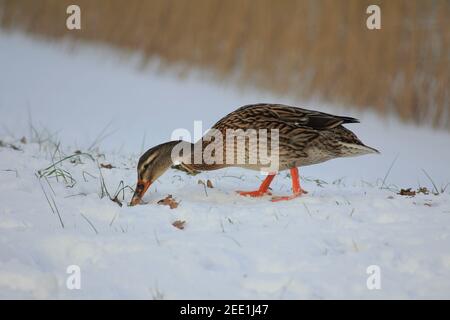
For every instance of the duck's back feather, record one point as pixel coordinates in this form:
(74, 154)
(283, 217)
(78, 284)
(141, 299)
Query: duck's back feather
(268, 116)
(305, 136)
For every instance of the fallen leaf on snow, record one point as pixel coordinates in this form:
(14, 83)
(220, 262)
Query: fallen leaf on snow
(423, 190)
(207, 184)
(407, 192)
(106, 166)
(169, 201)
(179, 224)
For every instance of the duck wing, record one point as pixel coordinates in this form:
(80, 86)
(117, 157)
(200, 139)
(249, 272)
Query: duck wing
(268, 116)
(297, 127)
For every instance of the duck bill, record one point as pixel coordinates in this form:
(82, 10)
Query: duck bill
(141, 188)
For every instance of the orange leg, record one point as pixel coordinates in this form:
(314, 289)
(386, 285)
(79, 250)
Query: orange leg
(262, 191)
(296, 189)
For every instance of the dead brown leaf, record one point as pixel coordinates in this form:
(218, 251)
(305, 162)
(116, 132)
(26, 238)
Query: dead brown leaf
(23, 140)
(168, 201)
(106, 166)
(207, 184)
(407, 192)
(411, 193)
(179, 224)
(423, 190)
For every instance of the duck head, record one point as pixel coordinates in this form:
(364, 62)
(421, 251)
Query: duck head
(151, 166)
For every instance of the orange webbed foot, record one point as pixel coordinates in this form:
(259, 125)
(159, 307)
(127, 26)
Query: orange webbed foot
(262, 191)
(254, 194)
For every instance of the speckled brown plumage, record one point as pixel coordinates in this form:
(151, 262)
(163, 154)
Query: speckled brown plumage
(305, 136)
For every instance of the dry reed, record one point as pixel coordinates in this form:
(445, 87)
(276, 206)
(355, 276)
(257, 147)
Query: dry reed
(301, 48)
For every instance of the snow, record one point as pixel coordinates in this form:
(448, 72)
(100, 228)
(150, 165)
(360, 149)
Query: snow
(316, 247)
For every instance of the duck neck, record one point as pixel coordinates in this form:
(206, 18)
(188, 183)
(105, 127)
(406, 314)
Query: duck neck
(189, 155)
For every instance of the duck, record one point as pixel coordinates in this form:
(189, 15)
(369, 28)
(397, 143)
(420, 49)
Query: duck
(303, 137)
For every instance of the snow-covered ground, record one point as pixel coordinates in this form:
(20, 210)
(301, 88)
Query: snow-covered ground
(89, 98)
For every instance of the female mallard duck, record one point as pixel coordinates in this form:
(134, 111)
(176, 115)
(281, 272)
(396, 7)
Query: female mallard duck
(304, 137)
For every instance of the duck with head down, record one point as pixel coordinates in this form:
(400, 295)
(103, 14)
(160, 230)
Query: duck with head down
(151, 166)
(306, 137)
